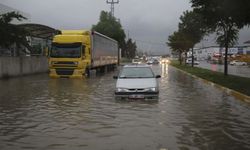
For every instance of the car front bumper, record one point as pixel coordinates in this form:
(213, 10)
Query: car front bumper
(137, 95)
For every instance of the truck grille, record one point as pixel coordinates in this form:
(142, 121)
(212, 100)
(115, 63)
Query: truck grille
(64, 71)
(64, 63)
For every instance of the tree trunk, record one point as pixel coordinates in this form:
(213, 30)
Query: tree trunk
(185, 60)
(225, 60)
(180, 60)
(192, 57)
(226, 51)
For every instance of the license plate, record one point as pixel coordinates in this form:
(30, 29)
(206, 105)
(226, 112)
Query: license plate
(136, 96)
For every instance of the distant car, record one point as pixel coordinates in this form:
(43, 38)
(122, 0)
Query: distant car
(137, 82)
(189, 61)
(136, 61)
(155, 61)
(164, 60)
(238, 63)
(151, 61)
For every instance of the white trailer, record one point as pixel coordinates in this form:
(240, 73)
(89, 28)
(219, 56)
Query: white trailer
(104, 50)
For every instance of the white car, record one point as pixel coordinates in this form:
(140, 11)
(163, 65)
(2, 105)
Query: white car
(189, 61)
(136, 61)
(238, 63)
(151, 61)
(137, 82)
(164, 60)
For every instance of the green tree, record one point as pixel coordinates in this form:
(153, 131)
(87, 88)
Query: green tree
(109, 26)
(10, 33)
(226, 18)
(130, 49)
(192, 26)
(179, 42)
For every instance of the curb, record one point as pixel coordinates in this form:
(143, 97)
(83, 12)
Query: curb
(236, 94)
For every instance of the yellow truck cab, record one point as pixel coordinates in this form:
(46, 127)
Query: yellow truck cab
(75, 52)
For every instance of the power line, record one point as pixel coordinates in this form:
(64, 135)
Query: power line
(112, 5)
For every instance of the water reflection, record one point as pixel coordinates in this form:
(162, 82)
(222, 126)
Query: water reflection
(164, 69)
(41, 113)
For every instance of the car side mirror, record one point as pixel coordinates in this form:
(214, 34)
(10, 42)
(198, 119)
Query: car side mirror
(157, 76)
(115, 77)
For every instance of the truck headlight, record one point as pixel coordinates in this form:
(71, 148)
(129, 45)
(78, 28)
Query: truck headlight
(76, 63)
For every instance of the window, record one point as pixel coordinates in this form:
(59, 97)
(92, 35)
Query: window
(72, 50)
(136, 72)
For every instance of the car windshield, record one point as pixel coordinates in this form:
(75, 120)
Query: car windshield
(136, 72)
(66, 50)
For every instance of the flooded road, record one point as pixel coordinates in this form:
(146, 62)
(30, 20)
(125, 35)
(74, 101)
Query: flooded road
(61, 114)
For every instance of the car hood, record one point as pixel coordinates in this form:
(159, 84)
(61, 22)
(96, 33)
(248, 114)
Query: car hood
(136, 83)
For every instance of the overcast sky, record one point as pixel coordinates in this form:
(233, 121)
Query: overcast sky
(148, 22)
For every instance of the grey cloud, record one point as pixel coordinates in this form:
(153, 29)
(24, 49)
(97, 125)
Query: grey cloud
(150, 21)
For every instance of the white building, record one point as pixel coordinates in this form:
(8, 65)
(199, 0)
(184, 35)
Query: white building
(208, 52)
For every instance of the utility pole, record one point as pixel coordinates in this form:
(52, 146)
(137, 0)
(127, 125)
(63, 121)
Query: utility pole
(112, 4)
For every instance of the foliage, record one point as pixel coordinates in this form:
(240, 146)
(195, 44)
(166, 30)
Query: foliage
(11, 33)
(130, 49)
(225, 17)
(236, 11)
(192, 26)
(191, 31)
(227, 35)
(109, 26)
(179, 42)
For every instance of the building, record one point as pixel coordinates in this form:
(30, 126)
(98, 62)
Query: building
(39, 39)
(207, 53)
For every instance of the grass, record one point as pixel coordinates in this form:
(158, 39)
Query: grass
(240, 84)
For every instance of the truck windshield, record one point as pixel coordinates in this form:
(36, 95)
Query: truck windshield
(72, 50)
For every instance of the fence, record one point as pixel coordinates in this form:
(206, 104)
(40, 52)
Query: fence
(17, 66)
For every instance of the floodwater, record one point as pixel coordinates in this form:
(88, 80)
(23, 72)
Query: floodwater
(39, 113)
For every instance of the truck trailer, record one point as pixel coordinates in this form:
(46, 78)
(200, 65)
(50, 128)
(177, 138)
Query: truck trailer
(75, 52)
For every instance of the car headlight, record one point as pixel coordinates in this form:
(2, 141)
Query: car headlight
(153, 89)
(120, 90)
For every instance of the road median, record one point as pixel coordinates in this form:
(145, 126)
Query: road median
(236, 86)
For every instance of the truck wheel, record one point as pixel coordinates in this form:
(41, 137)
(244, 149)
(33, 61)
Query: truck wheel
(87, 72)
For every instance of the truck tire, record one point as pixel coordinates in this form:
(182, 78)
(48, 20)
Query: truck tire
(87, 72)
